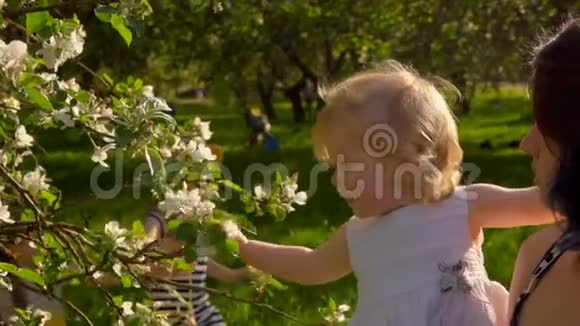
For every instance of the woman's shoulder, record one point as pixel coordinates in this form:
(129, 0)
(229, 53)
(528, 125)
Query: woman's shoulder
(536, 245)
(529, 256)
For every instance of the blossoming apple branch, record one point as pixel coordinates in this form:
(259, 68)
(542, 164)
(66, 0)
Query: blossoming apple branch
(130, 118)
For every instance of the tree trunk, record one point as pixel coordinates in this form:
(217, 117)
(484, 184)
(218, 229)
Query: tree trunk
(266, 92)
(293, 94)
(460, 81)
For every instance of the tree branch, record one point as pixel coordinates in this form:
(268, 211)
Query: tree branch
(56, 6)
(61, 300)
(231, 297)
(38, 214)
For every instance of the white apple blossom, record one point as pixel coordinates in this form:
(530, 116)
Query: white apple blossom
(198, 152)
(108, 135)
(19, 157)
(12, 57)
(148, 91)
(115, 231)
(203, 128)
(59, 48)
(23, 139)
(231, 229)
(260, 193)
(184, 201)
(289, 192)
(2, 4)
(44, 316)
(12, 103)
(37, 317)
(5, 282)
(158, 104)
(118, 269)
(64, 116)
(204, 208)
(48, 77)
(35, 181)
(107, 113)
(343, 308)
(133, 244)
(98, 275)
(127, 308)
(338, 316)
(69, 85)
(3, 157)
(165, 152)
(5, 214)
(100, 154)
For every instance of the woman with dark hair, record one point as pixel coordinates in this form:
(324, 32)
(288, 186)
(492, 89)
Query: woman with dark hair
(546, 283)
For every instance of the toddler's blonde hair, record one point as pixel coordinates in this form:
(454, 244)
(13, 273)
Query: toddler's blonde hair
(412, 107)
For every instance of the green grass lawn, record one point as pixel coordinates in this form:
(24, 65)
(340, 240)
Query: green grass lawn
(498, 120)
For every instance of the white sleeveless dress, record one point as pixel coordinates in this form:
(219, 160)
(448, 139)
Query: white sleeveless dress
(417, 266)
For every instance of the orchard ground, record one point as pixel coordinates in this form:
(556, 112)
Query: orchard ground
(489, 136)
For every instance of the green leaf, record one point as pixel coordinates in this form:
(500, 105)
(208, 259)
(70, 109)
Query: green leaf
(3, 133)
(59, 99)
(30, 80)
(127, 281)
(27, 215)
(138, 84)
(138, 227)
(123, 137)
(118, 300)
(232, 247)
(23, 273)
(49, 241)
(174, 224)
(230, 184)
(277, 284)
(35, 21)
(277, 211)
(249, 205)
(118, 23)
(181, 265)
(83, 97)
(332, 304)
(108, 78)
(276, 185)
(49, 197)
(189, 254)
(38, 98)
(186, 232)
(105, 13)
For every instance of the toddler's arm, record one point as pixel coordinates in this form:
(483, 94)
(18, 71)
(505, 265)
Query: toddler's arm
(492, 206)
(302, 265)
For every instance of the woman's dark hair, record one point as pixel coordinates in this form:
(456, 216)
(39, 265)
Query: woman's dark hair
(555, 90)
